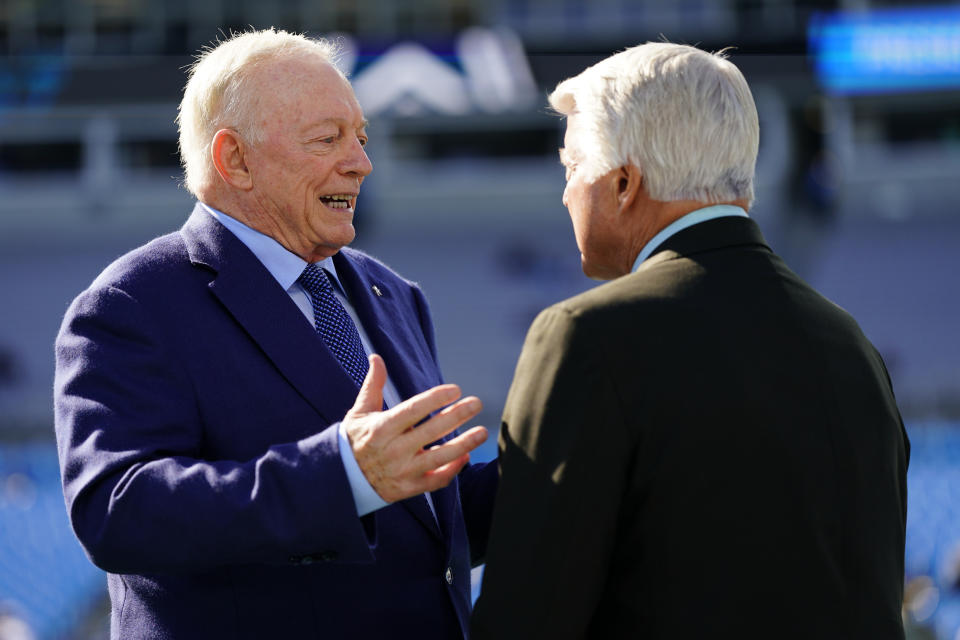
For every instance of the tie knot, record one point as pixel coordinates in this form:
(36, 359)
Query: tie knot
(315, 279)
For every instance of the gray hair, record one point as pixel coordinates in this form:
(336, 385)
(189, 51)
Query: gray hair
(218, 96)
(685, 117)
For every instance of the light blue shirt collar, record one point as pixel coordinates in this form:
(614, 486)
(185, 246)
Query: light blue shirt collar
(683, 222)
(282, 264)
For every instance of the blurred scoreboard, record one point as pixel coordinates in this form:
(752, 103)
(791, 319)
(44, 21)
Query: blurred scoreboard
(889, 50)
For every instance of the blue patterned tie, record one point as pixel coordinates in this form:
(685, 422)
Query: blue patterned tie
(333, 323)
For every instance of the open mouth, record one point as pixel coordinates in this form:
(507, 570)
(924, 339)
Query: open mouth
(338, 201)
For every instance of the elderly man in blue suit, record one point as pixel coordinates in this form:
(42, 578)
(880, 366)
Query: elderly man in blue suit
(233, 452)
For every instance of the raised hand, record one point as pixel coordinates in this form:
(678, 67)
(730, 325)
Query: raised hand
(391, 453)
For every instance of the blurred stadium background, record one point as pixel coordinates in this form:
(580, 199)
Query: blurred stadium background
(858, 184)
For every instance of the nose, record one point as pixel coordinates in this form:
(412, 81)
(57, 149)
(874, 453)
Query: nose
(563, 199)
(356, 161)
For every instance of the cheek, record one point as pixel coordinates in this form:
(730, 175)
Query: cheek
(276, 166)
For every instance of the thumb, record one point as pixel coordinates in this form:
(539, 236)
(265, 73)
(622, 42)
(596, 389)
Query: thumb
(370, 398)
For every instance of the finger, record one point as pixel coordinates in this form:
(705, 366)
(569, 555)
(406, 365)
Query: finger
(370, 397)
(437, 457)
(441, 477)
(444, 422)
(433, 480)
(413, 410)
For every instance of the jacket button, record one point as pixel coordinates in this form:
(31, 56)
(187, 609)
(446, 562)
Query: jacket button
(329, 556)
(448, 576)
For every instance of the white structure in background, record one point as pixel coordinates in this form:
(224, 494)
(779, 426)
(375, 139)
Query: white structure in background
(410, 80)
(497, 70)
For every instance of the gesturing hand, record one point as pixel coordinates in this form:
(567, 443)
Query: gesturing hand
(391, 453)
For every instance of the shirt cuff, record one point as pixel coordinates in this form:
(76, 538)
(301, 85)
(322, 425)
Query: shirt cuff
(364, 497)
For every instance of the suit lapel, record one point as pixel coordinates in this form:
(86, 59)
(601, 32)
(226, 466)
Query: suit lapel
(443, 503)
(394, 333)
(408, 363)
(264, 310)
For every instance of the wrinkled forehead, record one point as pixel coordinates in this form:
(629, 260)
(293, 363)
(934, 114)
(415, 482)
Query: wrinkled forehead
(305, 87)
(288, 77)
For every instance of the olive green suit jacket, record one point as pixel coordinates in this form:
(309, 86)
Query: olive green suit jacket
(706, 447)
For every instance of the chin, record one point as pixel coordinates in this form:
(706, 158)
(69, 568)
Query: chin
(596, 271)
(349, 233)
(336, 242)
(329, 248)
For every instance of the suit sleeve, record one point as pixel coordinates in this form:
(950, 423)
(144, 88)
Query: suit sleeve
(140, 497)
(564, 455)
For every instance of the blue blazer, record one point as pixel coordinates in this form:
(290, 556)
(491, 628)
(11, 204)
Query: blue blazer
(196, 420)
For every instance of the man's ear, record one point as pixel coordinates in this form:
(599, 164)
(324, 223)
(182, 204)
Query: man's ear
(629, 184)
(227, 150)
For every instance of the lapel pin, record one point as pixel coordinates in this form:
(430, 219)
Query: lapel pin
(377, 291)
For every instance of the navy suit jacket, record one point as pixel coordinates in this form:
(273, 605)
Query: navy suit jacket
(196, 418)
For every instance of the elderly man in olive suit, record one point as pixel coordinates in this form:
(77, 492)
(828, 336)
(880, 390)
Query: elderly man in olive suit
(704, 447)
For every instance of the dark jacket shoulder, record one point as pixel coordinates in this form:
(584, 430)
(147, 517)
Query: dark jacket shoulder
(146, 266)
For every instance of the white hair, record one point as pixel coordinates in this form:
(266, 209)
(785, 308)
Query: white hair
(685, 117)
(218, 95)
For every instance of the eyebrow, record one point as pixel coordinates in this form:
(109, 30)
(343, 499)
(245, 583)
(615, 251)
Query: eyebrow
(332, 121)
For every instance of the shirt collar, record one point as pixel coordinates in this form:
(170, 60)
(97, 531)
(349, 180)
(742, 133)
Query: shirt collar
(688, 220)
(285, 266)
